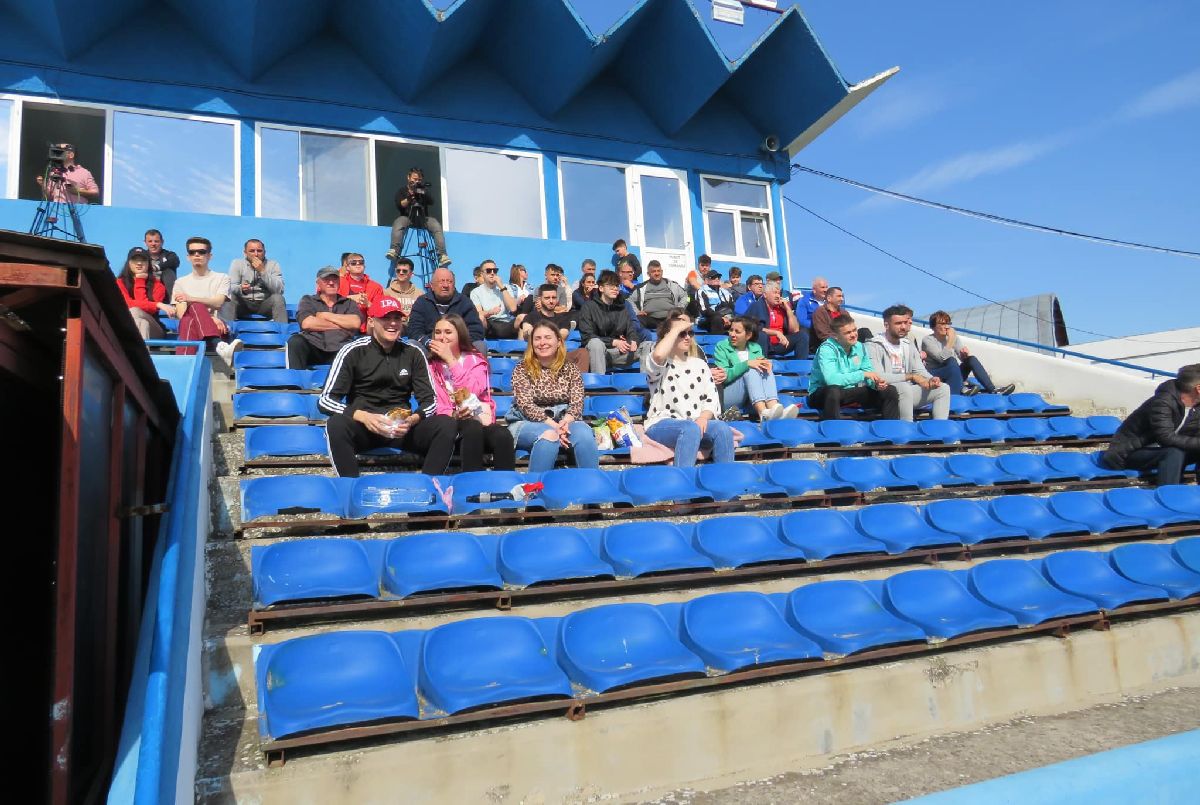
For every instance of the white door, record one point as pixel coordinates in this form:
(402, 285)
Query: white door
(662, 219)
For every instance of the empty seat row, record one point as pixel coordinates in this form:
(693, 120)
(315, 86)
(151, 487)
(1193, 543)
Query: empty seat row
(321, 568)
(351, 677)
(256, 379)
(981, 430)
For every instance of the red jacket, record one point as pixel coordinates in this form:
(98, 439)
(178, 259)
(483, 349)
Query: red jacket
(140, 300)
(351, 285)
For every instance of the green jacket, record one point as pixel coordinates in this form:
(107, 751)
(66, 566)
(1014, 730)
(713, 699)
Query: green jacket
(833, 366)
(727, 358)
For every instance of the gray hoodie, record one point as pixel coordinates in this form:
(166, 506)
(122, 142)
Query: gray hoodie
(881, 359)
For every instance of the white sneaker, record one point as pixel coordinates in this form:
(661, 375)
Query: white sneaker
(790, 412)
(774, 412)
(227, 351)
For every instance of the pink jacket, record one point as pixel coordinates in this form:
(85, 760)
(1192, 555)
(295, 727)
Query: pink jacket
(470, 373)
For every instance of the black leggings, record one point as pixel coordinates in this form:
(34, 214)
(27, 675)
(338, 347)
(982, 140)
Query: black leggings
(432, 437)
(475, 439)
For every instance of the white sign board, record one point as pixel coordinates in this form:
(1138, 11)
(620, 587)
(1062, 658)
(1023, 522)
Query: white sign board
(728, 11)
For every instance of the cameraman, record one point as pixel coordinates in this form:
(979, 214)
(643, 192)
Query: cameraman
(70, 182)
(413, 201)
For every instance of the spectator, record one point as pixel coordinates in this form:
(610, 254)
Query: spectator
(494, 304)
(327, 320)
(621, 254)
(899, 363)
(780, 334)
(947, 357)
(548, 404)
(518, 283)
(144, 295)
(1163, 433)
(463, 389)
(684, 411)
(373, 376)
(754, 292)
(545, 309)
(199, 296)
(586, 268)
(715, 302)
(402, 288)
(606, 328)
(809, 302)
(77, 185)
(627, 276)
(413, 200)
(356, 286)
(735, 285)
(656, 297)
(749, 378)
(440, 299)
(163, 262)
(554, 276)
(476, 281)
(843, 374)
(824, 316)
(585, 292)
(255, 286)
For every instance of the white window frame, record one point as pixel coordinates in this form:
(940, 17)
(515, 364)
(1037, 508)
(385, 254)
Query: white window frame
(737, 210)
(14, 140)
(562, 198)
(372, 181)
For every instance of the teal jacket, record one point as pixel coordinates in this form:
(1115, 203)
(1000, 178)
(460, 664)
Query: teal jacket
(833, 366)
(727, 358)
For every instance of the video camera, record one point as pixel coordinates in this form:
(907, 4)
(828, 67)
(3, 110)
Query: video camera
(56, 158)
(419, 187)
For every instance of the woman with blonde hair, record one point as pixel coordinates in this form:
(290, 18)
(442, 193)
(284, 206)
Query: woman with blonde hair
(548, 404)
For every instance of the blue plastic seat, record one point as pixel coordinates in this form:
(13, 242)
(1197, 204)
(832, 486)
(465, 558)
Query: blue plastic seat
(243, 326)
(317, 375)
(1070, 465)
(1017, 587)
(506, 346)
(1028, 402)
(970, 521)
(500, 381)
(1033, 515)
(1089, 508)
(802, 476)
(442, 561)
(983, 430)
(753, 435)
(394, 493)
(468, 486)
(900, 527)
(740, 541)
(793, 383)
(503, 405)
(597, 382)
(503, 364)
(331, 680)
(574, 486)
(549, 553)
(988, 403)
(313, 568)
(290, 494)
(630, 382)
(735, 630)
(601, 406)
(936, 601)
(843, 617)
(611, 646)
(925, 472)
(959, 405)
(270, 405)
(635, 549)
(1066, 428)
(658, 484)
(1154, 565)
(945, 431)
(1182, 498)
(284, 440)
(822, 533)
(1089, 575)
(893, 431)
(1187, 553)
(1029, 467)
(1102, 425)
(486, 661)
(864, 474)
(1027, 429)
(273, 379)
(793, 432)
(980, 470)
(841, 432)
(795, 366)
(263, 340)
(259, 359)
(1143, 506)
(737, 480)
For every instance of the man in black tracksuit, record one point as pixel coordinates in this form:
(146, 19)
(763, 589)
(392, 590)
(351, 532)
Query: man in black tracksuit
(371, 376)
(1164, 431)
(440, 299)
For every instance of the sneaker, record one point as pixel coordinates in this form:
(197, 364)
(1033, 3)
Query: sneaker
(391, 254)
(790, 412)
(774, 412)
(731, 414)
(1009, 389)
(970, 391)
(444, 261)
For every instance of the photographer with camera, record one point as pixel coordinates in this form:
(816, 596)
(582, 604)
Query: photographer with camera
(65, 181)
(413, 201)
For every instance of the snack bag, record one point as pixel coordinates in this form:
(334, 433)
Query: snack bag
(398, 415)
(466, 399)
(603, 436)
(621, 426)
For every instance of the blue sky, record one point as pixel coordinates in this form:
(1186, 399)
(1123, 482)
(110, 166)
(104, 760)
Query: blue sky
(1079, 115)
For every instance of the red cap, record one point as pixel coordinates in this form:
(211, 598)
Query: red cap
(383, 306)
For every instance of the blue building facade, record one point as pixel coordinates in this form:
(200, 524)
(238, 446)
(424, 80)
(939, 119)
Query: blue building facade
(549, 128)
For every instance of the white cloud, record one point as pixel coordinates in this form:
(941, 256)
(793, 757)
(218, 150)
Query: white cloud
(1178, 93)
(899, 109)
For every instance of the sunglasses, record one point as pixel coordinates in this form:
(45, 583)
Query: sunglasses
(197, 251)
(491, 271)
(354, 262)
(403, 270)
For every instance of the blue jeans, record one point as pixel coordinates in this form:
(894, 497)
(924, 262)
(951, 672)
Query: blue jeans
(750, 388)
(543, 453)
(684, 437)
(955, 375)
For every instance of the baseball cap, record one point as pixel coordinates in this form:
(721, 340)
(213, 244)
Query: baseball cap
(774, 275)
(325, 271)
(138, 253)
(383, 306)
(713, 275)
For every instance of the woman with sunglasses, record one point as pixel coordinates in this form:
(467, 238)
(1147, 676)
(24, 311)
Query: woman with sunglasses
(144, 296)
(684, 408)
(462, 387)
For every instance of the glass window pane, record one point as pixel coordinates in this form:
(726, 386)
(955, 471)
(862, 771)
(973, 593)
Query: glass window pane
(741, 194)
(756, 240)
(720, 233)
(594, 202)
(5, 120)
(279, 173)
(661, 212)
(42, 124)
(147, 170)
(494, 194)
(334, 173)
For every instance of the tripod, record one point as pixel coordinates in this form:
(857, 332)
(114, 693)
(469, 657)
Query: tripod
(418, 247)
(48, 221)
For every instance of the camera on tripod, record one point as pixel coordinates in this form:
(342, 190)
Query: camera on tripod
(420, 187)
(56, 159)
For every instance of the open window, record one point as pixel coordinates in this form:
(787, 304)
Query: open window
(43, 124)
(393, 161)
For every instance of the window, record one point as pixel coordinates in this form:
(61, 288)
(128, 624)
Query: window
(392, 162)
(6, 108)
(662, 213)
(493, 193)
(314, 177)
(594, 201)
(45, 123)
(147, 170)
(737, 219)
(279, 173)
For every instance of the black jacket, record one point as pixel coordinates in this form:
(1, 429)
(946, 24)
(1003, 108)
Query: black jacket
(427, 310)
(364, 377)
(1155, 422)
(606, 322)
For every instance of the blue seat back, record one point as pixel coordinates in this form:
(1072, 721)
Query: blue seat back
(438, 562)
(313, 568)
(548, 553)
(738, 630)
(607, 647)
(635, 549)
(284, 440)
